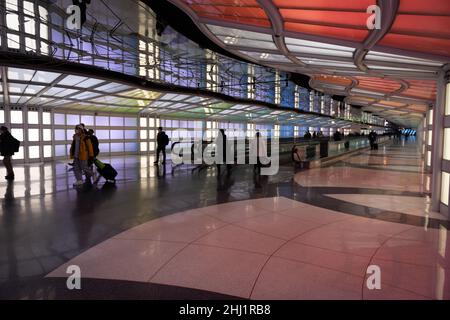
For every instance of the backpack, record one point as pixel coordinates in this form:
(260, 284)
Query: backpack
(15, 144)
(165, 139)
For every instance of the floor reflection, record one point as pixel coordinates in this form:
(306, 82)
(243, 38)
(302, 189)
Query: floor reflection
(45, 222)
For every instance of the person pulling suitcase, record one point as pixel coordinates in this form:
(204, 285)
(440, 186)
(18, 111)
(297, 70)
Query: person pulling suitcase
(106, 171)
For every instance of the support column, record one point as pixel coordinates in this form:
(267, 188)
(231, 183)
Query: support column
(6, 106)
(439, 180)
(429, 140)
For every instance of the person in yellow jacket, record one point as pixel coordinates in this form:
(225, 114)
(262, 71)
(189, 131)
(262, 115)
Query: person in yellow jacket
(81, 151)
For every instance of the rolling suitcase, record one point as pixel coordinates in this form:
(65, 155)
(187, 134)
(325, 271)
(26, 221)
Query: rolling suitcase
(106, 170)
(375, 146)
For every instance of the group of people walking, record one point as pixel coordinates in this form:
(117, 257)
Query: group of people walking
(315, 135)
(83, 150)
(259, 146)
(337, 136)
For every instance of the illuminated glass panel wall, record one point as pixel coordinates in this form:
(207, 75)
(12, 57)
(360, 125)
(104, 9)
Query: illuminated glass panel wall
(347, 111)
(317, 102)
(265, 85)
(251, 130)
(211, 130)
(296, 97)
(447, 101)
(429, 139)
(445, 181)
(182, 129)
(147, 134)
(288, 93)
(277, 85)
(27, 26)
(33, 128)
(251, 82)
(17, 130)
(40, 27)
(116, 134)
(47, 134)
(276, 131)
(286, 131)
(326, 109)
(149, 62)
(303, 99)
(265, 129)
(232, 77)
(445, 170)
(233, 129)
(212, 71)
(302, 131)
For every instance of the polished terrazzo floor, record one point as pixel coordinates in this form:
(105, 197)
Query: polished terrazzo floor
(179, 235)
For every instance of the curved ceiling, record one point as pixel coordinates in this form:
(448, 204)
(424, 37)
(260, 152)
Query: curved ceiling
(390, 71)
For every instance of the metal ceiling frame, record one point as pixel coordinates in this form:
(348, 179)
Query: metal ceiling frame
(282, 116)
(389, 11)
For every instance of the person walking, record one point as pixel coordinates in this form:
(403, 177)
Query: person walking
(8, 146)
(372, 139)
(221, 151)
(85, 132)
(337, 136)
(162, 141)
(94, 142)
(95, 148)
(261, 152)
(81, 152)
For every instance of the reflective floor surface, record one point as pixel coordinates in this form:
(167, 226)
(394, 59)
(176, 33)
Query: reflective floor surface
(159, 234)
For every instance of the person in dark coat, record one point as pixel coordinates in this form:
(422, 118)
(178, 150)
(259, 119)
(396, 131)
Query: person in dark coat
(307, 135)
(162, 140)
(221, 150)
(372, 139)
(7, 150)
(95, 147)
(94, 142)
(337, 136)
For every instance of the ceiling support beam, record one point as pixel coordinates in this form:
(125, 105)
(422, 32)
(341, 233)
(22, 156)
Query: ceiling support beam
(278, 29)
(389, 10)
(386, 70)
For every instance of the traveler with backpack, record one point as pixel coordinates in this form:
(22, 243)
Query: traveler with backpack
(81, 152)
(95, 144)
(162, 140)
(8, 146)
(86, 133)
(95, 147)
